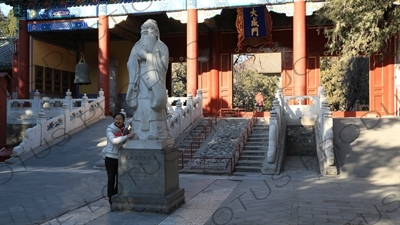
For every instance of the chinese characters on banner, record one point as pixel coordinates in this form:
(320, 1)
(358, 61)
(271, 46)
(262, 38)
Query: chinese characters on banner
(254, 27)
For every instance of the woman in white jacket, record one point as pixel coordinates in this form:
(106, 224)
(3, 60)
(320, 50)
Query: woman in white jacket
(117, 134)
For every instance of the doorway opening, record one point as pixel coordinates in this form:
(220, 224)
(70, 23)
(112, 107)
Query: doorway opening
(253, 73)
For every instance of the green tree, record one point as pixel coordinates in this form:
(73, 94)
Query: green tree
(179, 79)
(359, 26)
(345, 84)
(8, 25)
(247, 83)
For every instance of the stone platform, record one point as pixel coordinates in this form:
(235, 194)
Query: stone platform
(148, 177)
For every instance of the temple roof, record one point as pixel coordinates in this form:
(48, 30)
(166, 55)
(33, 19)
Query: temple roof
(6, 54)
(124, 7)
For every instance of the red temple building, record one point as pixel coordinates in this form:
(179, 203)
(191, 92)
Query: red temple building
(53, 34)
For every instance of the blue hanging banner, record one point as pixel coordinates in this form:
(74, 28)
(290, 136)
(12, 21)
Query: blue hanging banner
(254, 22)
(254, 26)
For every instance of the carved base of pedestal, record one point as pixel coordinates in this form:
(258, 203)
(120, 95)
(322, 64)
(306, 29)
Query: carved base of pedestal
(148, 177)
(164, 204)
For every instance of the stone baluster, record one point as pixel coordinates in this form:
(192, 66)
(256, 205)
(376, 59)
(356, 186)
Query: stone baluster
(123, 112)
(68, 100)
(189, 105)
(328, 138)
(67, 117)
(85, 106)
(85, 99)
(278, 111)
(324, 108)
(300, 100)
(321, 98)
(41, 121)
(199, 94)
(36, 103)
(279, 95)
(102, 102)
(178, 111)
(273, 136)
(328, 121)
(127, 122)
(101, 93)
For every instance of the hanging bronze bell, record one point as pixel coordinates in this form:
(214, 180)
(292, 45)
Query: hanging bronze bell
(82, 73)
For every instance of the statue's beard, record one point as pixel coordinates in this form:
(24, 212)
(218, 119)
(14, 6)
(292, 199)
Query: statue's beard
(148, 41)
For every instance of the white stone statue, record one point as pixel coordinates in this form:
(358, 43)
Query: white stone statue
(147, 67)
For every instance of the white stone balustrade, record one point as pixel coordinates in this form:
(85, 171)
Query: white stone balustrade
(185, 117)
(317, 114)
(47, 130)
(324, 135)
(28, 109)
(91, 110)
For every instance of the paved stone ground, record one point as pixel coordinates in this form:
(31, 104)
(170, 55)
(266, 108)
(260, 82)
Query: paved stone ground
(301, 196)
(60, 187)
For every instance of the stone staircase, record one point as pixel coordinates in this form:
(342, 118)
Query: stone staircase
(189, 138)
(255, 149)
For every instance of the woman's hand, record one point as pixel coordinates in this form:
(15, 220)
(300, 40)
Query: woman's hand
(130, 135)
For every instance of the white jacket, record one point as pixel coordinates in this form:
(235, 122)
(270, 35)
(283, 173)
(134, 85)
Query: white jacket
(116, 137)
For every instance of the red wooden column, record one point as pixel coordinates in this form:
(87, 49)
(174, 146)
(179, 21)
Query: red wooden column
(192, 49)
(299, 47)
(14, 82)
(214, 72)
(23, 61)
(104, 60)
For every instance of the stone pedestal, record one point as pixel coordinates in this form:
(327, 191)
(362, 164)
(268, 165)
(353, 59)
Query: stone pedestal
(148, 176)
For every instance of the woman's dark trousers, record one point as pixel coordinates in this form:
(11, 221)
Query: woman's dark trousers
(112, 175)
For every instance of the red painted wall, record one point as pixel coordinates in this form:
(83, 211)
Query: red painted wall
(381, 72)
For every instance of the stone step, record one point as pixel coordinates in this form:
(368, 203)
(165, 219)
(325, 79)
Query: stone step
(253, 152)
(257, 139)
(263, 147)
(252, 157)
(185, 143)
(260, 125)
(240, 173)
(260, 129)
(260, 132)
(248, 169)
(256, 144)
(258, 163)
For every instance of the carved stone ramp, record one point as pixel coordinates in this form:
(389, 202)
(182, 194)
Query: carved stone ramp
(300, 150)
(368, 147)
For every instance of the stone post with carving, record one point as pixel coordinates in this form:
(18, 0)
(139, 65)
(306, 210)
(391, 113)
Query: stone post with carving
(36, 103)
(189, 103)
(68, 99)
